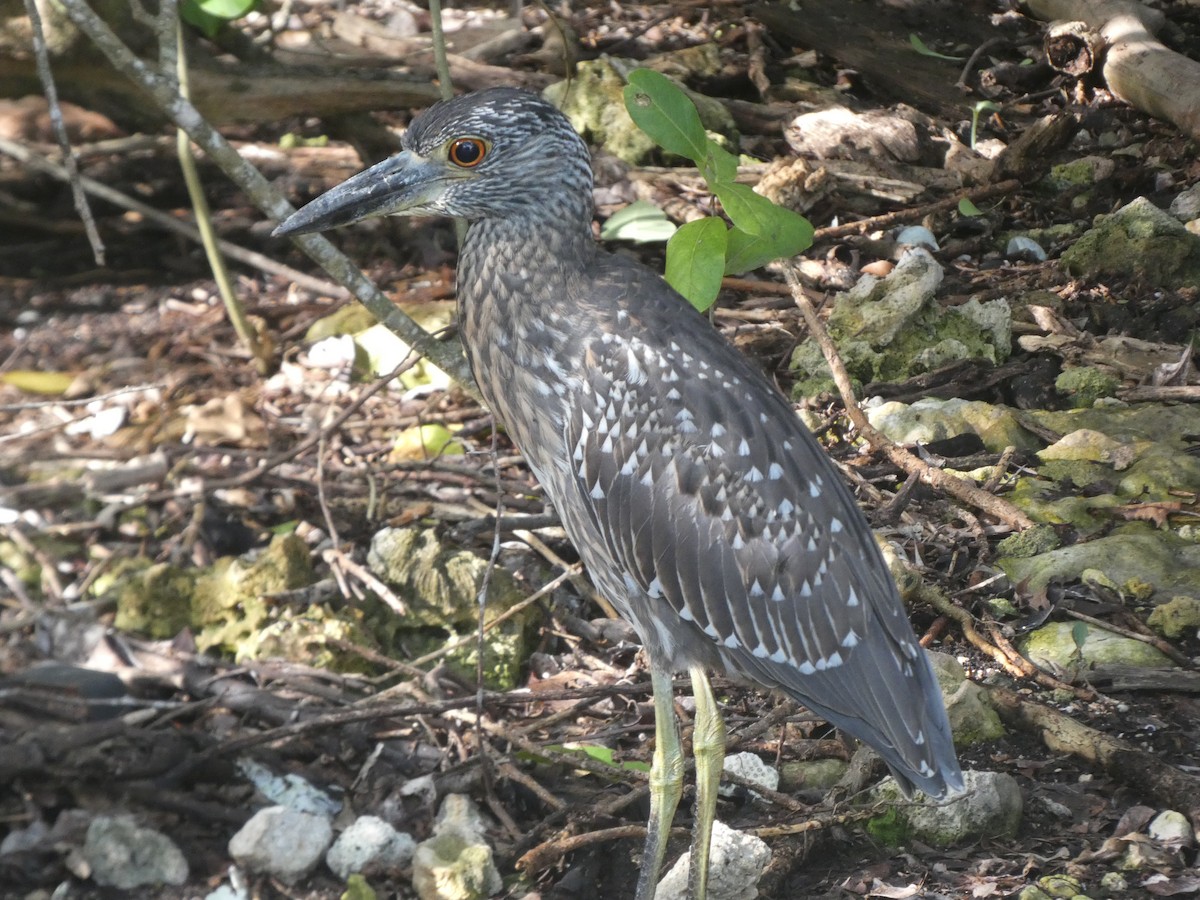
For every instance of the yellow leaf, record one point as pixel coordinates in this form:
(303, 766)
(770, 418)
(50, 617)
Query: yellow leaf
(52, 384)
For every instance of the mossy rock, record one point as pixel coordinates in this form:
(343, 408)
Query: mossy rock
(888, 329)
(594, 103)
(1139, 554)
(1078, 645)
(157, 601)
(1178, 617)
(934, 420)
(440, 587)
(1139, 240)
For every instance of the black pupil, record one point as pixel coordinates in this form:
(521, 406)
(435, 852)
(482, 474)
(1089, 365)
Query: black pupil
(467, 152)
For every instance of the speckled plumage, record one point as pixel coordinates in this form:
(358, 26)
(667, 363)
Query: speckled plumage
(703, 508)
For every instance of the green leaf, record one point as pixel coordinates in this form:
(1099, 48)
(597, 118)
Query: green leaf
(762, 231)
(660, 108)
(749, 211)
(696, 261)
(209, 15)
(719, 165)
(920, 47)
(224, 9)
(1079, 634)
(641, 222)
(967, 208)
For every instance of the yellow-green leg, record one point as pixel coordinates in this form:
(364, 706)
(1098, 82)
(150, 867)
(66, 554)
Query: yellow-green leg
(666, 782)
(708, 746)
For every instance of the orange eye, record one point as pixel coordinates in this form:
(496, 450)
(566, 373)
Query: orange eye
(468, 152)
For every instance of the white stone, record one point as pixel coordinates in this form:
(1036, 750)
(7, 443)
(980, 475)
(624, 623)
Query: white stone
(1171, 828)
(736, 862)
(456, 862)
(124, 855)
(752, 768)
(282, 842)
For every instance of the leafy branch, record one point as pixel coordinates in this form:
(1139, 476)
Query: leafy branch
(700, 253)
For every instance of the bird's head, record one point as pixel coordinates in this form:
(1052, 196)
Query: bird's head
(502, 153)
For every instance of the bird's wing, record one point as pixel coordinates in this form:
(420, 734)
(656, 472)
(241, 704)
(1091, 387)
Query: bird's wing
(715, 499)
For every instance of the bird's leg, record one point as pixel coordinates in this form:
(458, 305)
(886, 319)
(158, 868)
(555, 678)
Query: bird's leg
(666, 782)
(708, 747)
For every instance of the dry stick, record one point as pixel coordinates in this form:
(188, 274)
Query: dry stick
(1000, 650)
(49, 88)
(937, 478)
(448, 357)
(158, 217)
(902, 215)
(1166, 784)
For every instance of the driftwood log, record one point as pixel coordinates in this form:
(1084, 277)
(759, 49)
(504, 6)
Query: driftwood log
(1121, 38)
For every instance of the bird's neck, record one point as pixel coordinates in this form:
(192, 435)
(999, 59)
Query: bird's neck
(518, 295)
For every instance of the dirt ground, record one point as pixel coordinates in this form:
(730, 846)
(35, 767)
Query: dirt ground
(165, 740)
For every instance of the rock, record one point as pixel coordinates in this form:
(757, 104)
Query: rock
(1114, 883)
(1139, 240)
(290, 790)
(917, 236)
(440, 585)
(284, 843)
(21, 839)
(1178, 617)
(736, 863)
(1055, 645)
(594, 102)
(990, 807)
(1186, 206)
(455, 863)
(934, 420)
(1030, 542)
(124, 855)
(752, 768)
(972, 718)
(369, 845)
(1164, 561)
(1084, 385)
(1079, 173)
(1065, 886)
(890, 328)
(1172, 829)
(811, 774)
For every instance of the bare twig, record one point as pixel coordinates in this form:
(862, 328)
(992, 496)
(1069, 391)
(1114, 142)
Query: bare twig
(937, 478)
(60, 131)
(447, 356)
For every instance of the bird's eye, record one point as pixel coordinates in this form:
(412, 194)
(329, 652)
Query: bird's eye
(468, 152)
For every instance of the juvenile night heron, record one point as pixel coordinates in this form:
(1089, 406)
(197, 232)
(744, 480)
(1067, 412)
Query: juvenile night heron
(700, 504)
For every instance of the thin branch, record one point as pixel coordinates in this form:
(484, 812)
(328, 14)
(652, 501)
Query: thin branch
(60, 131)
(447, 356)
(257, 260)
(941, 480)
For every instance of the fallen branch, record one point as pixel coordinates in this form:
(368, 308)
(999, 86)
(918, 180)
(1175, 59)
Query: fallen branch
(939, 479)
(1143, 771)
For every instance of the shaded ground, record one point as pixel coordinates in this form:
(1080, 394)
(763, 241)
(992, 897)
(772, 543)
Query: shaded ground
(204, 421)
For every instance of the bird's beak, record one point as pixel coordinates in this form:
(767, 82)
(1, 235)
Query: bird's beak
(404, 183)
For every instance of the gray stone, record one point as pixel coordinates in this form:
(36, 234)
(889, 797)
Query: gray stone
(369, 845)
(124, 855)
(991, 806)
(282, 842)
(972, 718)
